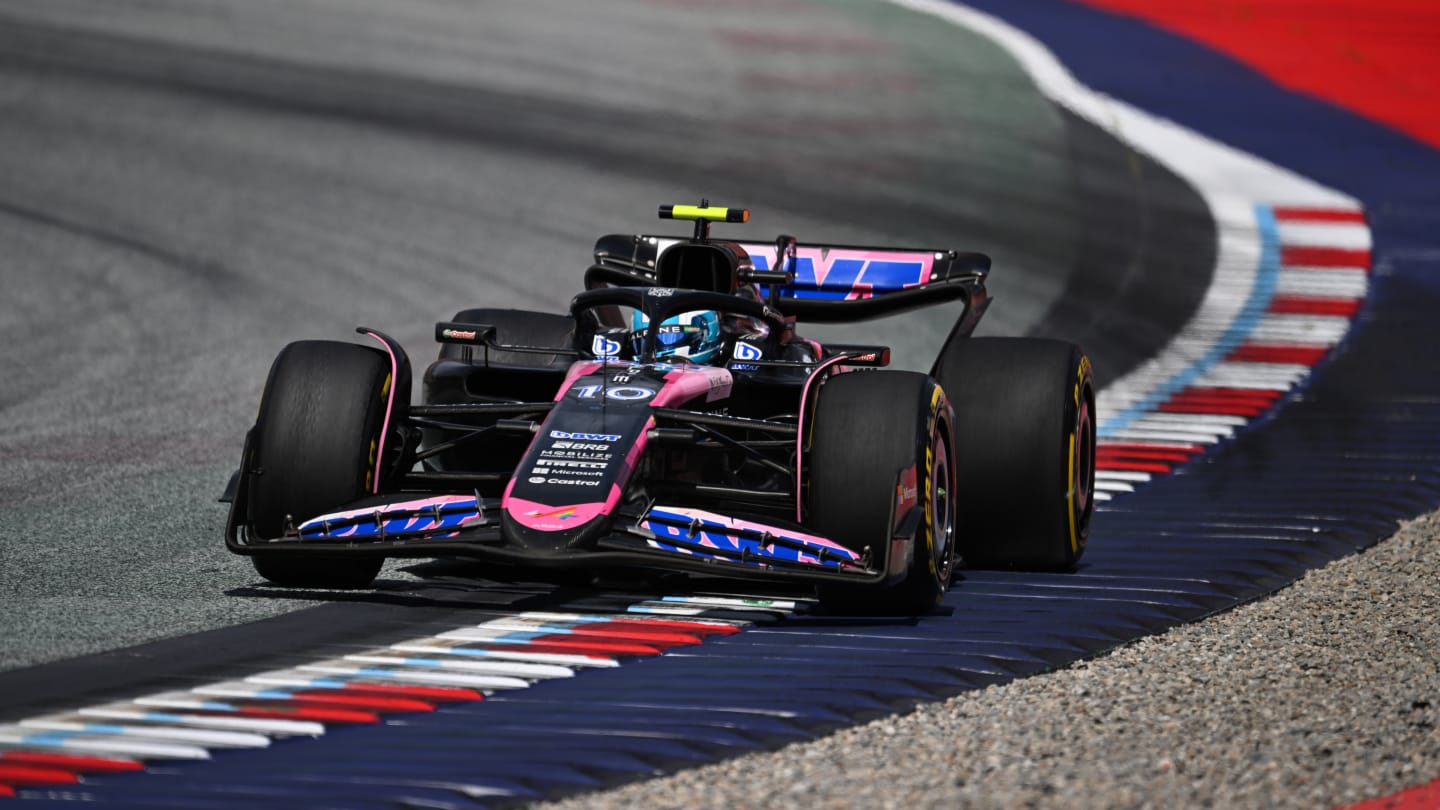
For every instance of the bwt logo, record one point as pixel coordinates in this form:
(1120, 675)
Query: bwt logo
(836, 275)
(589, 437)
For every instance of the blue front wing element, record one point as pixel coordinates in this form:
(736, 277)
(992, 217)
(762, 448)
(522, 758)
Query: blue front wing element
(758, 545)
(436, 517)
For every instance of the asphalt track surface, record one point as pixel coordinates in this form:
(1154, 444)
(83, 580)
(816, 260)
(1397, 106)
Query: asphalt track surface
(191, 185)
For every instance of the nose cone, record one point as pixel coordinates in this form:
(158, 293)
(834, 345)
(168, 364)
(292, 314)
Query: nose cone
(544, 528)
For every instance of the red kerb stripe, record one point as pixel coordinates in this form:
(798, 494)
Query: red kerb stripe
(632, 631)
(1258, 353)
(571, 645)
(24, 775)
(1220, 402)
(1227, 409)
(345, 699)
(1175, 456)
(1420, 797)
(1301, 255)
(288, 711)
(433, 694)
(1117, 447)
(1303, 305)
(1293, 213)
(697, 628)
(72, 762)
(1131, 466)
(1230, 393)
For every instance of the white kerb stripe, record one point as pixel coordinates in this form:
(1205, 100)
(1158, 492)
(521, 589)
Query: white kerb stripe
(89, 726)
(1308, 330)
(1344, 235)
(259, 725)
(1322, 282)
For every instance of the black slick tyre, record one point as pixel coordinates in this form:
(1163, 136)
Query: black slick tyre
(314, 448)
(1025, 450)
(869, 427)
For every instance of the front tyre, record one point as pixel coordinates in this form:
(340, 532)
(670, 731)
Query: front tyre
(315, 447)
(1025, 412)
(868, 427)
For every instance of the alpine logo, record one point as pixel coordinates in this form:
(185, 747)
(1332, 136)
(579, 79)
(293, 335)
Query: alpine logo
(602, 346)
(747, 351)
(585, 437)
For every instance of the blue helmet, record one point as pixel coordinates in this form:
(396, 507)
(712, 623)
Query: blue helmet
(692, 337)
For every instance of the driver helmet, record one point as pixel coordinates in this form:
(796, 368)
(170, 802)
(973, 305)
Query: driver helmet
(692, 337)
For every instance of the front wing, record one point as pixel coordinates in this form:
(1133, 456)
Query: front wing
(664, 537)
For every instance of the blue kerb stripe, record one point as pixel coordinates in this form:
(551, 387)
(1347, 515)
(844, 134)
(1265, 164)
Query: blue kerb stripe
(49, 738)
(103, 728)
(1244, 324)
(422, 662)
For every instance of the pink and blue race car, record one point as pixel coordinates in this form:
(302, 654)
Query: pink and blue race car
(674, 419)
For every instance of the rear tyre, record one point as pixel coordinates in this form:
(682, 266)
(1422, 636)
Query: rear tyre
(314, 448)
(868, 427)
(1025, 416)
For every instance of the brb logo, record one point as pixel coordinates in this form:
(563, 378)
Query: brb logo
(848, 274)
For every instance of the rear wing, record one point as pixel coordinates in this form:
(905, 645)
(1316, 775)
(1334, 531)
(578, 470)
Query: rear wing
(829, 283)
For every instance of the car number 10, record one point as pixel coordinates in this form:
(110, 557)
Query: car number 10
(624, 393)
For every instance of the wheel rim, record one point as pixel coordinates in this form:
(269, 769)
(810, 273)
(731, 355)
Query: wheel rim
(942, 511)
(1084, 462)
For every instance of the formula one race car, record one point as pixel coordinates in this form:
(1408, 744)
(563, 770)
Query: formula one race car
(673, 419)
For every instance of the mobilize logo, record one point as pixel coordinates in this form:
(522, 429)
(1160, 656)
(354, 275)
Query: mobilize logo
(577, 450)
(585, 437)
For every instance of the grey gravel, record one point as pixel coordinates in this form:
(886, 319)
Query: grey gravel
(1322, 694)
